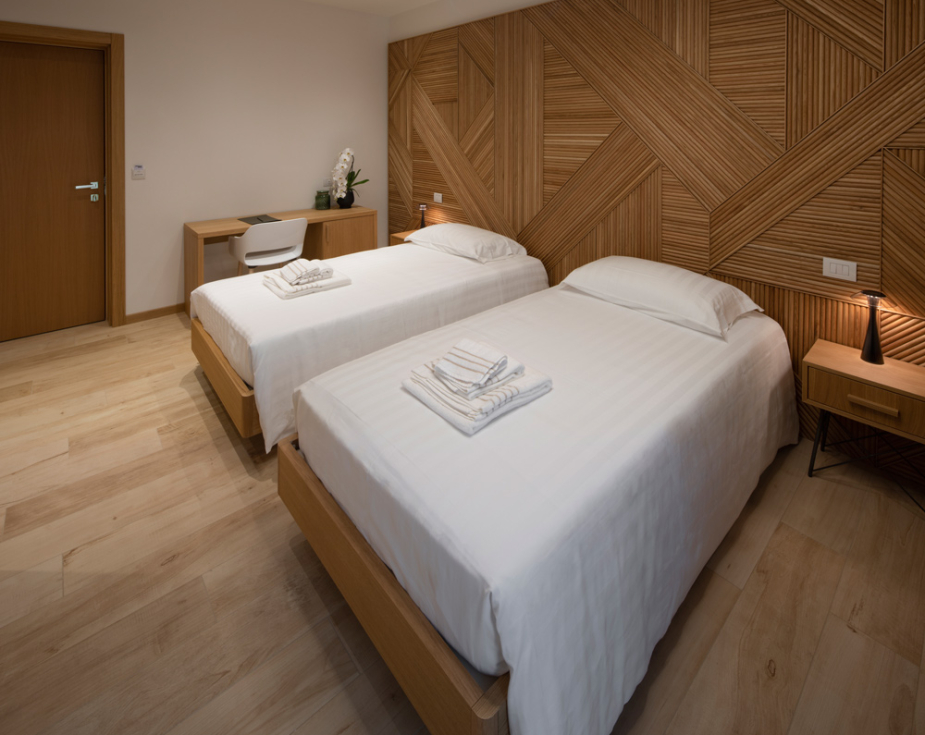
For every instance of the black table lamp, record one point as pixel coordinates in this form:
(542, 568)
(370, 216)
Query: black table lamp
(871, 351)
(423, 208)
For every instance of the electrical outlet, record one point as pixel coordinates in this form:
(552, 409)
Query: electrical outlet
(438, 198)
(845, 270)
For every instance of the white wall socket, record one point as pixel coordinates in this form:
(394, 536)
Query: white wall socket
(438, 198)
(846, 270)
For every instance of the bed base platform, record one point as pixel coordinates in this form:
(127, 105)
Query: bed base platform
(443, 692)
(233, 392)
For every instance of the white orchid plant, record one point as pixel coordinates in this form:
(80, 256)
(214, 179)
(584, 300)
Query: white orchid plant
(343, 176)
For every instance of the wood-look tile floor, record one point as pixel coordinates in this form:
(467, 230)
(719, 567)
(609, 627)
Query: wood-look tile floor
(152, 582)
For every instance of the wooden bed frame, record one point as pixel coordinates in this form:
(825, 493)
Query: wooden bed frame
(442, 691)
(233, 392)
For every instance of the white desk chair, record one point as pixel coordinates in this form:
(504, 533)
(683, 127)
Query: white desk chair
(268, 243)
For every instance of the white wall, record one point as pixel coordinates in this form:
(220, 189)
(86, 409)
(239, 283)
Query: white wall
(448, 13)
(234, 107)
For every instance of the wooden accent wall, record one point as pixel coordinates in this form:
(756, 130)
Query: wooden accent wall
(745, 139)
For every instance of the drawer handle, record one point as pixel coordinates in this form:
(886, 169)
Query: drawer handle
(874, 406)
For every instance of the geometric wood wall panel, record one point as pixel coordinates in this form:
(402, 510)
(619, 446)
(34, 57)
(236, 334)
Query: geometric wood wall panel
(657, 95)
(903, 236)
(518, 118)
(904, 28)
(821, 77)
(875, 116)
(475, 90)
(914, 158)
(400, 112)
(841, 222)
(478, 143)
(903, 337)
(748, 59)
(631, 228)
(855, 24)
(617, 167)
(478, 39)
(575, 121)
(437, 71)
(401, 173)
(428, 179)
(914, 137)
(681, 24)
(685, 229)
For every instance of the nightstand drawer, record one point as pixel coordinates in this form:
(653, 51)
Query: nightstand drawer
(872, 405)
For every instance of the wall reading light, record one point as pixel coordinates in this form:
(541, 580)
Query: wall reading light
(423, 208)
(871, 352)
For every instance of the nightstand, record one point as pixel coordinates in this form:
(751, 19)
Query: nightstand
(888, 397)
(399, 237)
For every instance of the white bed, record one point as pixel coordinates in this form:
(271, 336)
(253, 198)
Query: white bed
(558, 542)
(397, 292)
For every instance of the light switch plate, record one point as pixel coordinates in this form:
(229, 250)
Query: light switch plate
(138, 171)
(845, 270)
(438, 198)
(326, 183)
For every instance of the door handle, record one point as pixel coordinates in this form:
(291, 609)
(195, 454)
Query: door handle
(91, 185)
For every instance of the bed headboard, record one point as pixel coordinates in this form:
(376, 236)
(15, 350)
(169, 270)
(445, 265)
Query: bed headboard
(745, 139)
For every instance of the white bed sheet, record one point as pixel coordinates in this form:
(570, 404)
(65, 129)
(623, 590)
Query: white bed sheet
(396, 292)
(559, 541)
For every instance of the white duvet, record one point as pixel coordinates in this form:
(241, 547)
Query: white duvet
(558, 542)
(397, 292)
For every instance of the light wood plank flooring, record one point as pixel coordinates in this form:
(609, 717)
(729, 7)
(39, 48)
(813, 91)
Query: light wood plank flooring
(152, 582)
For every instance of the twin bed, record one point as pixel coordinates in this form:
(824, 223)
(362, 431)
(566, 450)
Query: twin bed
(518, 580)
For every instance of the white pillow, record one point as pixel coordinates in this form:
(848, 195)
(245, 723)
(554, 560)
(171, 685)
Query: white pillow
(664, 291)
(467, 241)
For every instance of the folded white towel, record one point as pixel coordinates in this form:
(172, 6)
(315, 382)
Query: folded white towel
(470, 365)
(512, 371)
(472, 416)
(287, 291)
(301, 271)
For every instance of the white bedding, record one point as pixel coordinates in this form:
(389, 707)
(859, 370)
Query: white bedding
(397, 292)
(559, 541)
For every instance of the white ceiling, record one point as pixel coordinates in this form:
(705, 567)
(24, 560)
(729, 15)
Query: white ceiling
(385, 8)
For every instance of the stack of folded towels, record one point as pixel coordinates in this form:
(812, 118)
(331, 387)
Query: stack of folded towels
(473, 384)
(302, 277)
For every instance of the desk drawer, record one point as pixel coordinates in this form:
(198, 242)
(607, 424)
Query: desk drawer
(871, 405)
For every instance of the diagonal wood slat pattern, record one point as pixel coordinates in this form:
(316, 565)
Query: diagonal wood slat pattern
(855, 24)
(748, 59)
(886, 108)
(904, 28)
(575, 121)
(914, 158)
(474, 91)
(903, 236)
(685, 227)
(914, 137)
(479, 40)
(617, 167)
(656, 94)
(821, 77)
(479, 144)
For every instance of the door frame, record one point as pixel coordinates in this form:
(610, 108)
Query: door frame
(113, 47)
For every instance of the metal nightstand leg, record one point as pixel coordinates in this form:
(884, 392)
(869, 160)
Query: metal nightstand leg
(822, 431)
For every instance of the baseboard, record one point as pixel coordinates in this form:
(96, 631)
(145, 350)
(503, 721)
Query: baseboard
(140, 316)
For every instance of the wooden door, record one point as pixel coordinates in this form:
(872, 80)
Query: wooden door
(52, 236)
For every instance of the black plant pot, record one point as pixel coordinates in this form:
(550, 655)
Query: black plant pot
(346, 201)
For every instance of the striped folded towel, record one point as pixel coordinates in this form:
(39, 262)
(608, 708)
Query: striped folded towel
(470, 366)
(512, 371)
(285, 290)
(470, 416)
(301, 271)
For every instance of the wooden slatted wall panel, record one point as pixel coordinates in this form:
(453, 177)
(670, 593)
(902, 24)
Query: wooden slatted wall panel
(575, 121)
(745, 139)
(821, 77)
(748, 59)
(904, 28)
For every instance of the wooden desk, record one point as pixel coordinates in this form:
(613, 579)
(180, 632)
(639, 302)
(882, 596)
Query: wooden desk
(331, 232)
